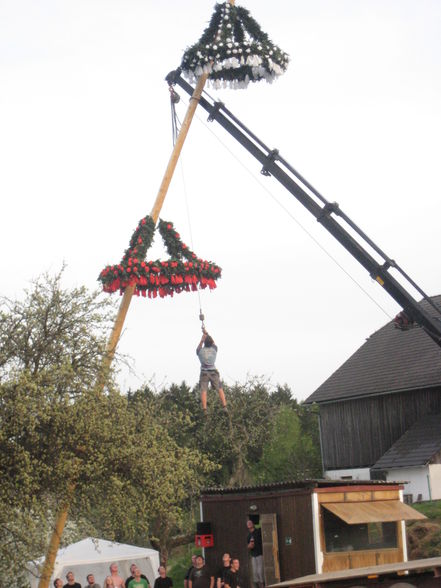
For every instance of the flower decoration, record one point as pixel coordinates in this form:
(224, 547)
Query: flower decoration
(233, 51)
(182, 272)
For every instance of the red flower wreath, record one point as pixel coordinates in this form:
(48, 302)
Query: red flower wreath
(183, 271)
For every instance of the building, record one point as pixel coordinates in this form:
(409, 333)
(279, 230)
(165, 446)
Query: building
(380, 412)
(309, 526)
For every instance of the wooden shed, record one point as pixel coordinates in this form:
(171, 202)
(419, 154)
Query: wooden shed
(310, 526)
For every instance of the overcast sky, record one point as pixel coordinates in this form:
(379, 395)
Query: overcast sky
(85, 136)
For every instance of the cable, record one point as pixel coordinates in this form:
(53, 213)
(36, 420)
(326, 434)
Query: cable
(190, 230)
(176, 124)
(283, 207)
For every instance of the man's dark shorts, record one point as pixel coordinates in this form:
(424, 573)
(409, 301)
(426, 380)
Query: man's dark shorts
(209, 376)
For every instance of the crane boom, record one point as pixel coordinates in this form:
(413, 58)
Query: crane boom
(273, 164)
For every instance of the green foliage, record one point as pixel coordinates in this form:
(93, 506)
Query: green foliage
(178, 565)
(424, 537)
(60, 432)
(266, 436)
(159, 277)
(290, 453)
(137, 463)
(52, 327)
(52, 345)
(431, 509)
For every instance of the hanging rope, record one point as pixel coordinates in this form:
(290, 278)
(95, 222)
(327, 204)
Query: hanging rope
(176, 124)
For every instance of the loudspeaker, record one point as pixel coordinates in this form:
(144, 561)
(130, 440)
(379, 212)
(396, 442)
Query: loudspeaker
(203, 528)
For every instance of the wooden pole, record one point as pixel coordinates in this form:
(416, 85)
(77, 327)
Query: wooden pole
(54, 542)
(122, 312)
(120, 318)
(128, 292)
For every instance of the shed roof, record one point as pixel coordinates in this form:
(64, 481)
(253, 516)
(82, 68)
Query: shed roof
(416, 447)
(293, 485)
(389, 361)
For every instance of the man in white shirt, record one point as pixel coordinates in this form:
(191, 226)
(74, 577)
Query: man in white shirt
(207, 352)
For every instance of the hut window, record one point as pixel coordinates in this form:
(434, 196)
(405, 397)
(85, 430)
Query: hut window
(340, 536)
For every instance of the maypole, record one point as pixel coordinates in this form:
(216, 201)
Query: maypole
(232, 51)
(168, 175)
(112, 343)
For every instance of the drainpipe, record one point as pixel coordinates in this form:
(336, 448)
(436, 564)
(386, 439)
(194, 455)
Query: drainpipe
(428, 485)
(321, 442)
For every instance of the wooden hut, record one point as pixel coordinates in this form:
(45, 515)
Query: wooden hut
(309, 527)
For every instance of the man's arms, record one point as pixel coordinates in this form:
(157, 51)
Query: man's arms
(201, 342)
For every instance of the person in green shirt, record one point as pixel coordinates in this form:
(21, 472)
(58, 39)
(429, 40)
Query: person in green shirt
(137, 581)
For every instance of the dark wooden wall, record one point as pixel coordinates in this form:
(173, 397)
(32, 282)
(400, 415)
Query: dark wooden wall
(228, 515)
(356, 433)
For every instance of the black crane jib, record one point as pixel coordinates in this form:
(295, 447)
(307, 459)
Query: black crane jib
(325, 212)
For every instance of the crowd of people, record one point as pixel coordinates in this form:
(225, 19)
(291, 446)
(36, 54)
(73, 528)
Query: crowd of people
(114, 580)
(198, 575)
(229, 575)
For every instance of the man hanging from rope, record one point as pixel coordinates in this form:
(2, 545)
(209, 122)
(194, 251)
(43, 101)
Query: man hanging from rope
(207, 351)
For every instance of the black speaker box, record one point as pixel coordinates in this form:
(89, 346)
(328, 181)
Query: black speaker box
(203, 528)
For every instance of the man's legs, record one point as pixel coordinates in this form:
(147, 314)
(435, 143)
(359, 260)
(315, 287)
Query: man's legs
(215, 382)
(257, 568)
(203, 384)
(204, 400)
(222, 398)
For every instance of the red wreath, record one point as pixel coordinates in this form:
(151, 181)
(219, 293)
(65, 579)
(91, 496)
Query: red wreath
(182, 272)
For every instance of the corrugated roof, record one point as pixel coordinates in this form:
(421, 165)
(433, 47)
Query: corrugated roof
(391, 360)
(416, 447)
(295, 484)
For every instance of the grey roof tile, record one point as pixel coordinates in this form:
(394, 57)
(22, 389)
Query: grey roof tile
(416, 447)
(391, 360)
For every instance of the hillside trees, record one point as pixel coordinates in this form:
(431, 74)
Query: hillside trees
(290, 452)
(267, 435)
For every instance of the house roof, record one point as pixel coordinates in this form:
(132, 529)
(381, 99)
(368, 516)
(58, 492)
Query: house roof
(391, 360)
(416, 447)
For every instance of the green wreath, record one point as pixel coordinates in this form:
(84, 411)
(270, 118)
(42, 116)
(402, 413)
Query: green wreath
(182, 272)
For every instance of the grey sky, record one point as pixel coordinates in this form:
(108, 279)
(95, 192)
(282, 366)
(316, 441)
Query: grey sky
(86, 136)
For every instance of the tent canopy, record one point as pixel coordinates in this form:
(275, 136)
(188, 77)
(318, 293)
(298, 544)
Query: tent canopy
(94, 556)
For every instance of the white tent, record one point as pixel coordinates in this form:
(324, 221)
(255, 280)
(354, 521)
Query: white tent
(94, 556)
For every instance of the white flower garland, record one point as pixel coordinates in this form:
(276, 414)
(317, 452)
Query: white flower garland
(233, 51)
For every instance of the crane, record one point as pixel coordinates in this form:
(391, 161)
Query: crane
(328, 214)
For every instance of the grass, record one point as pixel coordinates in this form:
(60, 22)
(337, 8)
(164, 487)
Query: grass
(424, 537)
(431, 509)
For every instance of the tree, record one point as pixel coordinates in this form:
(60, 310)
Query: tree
(64, 441)
(233, 440)
(51, 346)
(290, 453)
